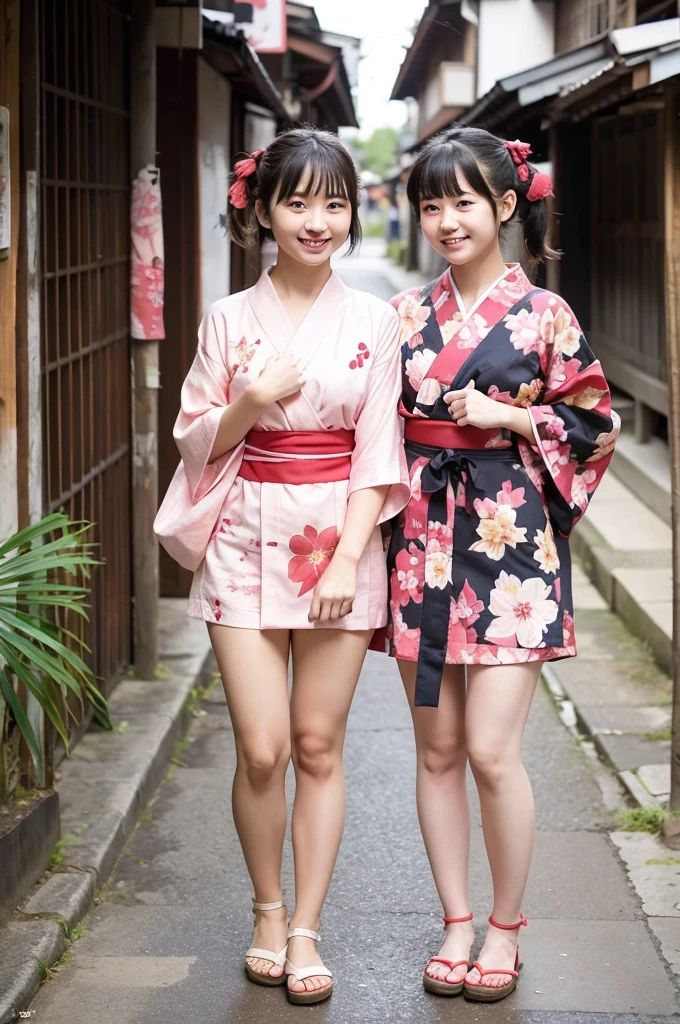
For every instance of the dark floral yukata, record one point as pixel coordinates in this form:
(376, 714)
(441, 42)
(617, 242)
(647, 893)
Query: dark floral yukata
(479, 563)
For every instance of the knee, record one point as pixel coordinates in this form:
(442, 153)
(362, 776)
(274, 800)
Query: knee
(445, 758)
(315, 755)
(264, 761)
(490, 766)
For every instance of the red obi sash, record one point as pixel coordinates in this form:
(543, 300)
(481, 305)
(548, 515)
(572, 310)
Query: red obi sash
(297, 456)
(440, 434)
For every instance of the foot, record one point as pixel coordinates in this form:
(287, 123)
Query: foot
(270, 933)
(457, 944)
(302, 952)
(499, 950)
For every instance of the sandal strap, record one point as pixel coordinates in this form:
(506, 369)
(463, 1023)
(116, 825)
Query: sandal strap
(522, 923)
(451, 964)
(302, 973)
(268, 954)
(277, 905)
(457, 920)
(305, 933)
(490, 970)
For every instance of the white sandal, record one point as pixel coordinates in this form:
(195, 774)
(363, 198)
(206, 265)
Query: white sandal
(278, 959)
(302, 973)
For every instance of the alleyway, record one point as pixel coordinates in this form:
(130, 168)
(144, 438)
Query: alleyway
(167, 943)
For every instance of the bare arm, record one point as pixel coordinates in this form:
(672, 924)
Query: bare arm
(334, 593)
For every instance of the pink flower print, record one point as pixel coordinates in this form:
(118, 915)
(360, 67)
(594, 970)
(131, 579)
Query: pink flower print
(511, 496)
(555, 455)
(418, 366)
(415, 513)
(589, 398)
(443, 534)
(406, 641)
(430, 391)
(523, 610)
(497, 529)
(467, 608)
(416, 340)
(500, 396)
(562, 371)
(217, 611)
(605, 442)
(244, 352)
(524, 330)
(450, 328)
(312, 553)
(579, 487)
(437, 565)
(362, 355)
(558, 332)
(408, 574)
(546, 552)
(553, 426)
(413, 316)
(509, 290)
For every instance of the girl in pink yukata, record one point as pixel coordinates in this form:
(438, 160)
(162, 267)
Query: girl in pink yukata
(508, 428)
(291, 457)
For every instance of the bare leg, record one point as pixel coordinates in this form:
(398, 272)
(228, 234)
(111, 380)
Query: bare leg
(443, 809)
(254, 669)
(498, 703)
(326, 667)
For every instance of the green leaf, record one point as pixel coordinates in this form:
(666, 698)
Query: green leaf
(22, 721)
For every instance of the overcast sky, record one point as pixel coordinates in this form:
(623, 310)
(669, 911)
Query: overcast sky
(385, 27)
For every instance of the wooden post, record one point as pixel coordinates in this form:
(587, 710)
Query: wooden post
(672, 271)
(145, 373)
(9, 98)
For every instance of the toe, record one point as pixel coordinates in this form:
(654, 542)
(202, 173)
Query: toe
(276, 971)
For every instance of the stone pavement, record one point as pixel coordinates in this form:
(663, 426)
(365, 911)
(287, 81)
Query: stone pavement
(167, 941)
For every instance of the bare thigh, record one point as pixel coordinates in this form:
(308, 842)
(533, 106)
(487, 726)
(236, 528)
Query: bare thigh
(439, 730)
(253, 665)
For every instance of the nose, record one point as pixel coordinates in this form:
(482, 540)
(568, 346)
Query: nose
(316, 220)
(449, 221)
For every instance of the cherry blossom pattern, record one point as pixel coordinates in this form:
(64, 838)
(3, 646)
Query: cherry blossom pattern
(217, 611)
(546, 551)
(430, 391)
(463, 614)
(525, 332)
(413, 317)
(605, 442)
(406, 580)
(497, 522)
(362, 355)
(244, 352)
(312, 553)
(417, 367)
(437, 564)
(523, 611)
(559, 333)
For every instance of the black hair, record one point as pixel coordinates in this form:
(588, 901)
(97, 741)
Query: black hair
(304, 153)
(487, 166)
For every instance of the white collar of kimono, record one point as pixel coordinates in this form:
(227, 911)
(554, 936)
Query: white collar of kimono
(276, 323)
(509, 269)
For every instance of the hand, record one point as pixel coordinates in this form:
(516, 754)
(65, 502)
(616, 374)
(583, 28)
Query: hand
(471, 408)
(334, 593)
(280, 378)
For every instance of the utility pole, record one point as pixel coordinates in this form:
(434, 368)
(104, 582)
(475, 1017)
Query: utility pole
(672, 269)
(145, 366)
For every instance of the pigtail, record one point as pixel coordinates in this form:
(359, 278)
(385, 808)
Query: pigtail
(243, 194)
(532, 188)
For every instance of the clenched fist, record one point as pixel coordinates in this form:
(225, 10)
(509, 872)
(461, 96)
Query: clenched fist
(280, 378)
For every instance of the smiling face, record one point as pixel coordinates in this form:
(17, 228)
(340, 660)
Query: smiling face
(309, 225)
(464, 228)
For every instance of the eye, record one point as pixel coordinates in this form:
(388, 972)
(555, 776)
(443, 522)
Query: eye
(464, 204)
(429, 208)
(297, 204)
(335, 205)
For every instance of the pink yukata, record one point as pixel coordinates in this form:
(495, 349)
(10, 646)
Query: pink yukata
(258, 549)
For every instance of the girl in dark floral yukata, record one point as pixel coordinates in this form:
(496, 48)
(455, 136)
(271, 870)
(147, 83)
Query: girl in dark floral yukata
(509, 430)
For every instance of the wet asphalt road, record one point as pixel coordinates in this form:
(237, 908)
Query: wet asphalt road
(167, 943)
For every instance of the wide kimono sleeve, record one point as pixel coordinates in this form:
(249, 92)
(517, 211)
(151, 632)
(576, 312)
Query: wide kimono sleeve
(190, 509)
(378, 458)
(575, 428)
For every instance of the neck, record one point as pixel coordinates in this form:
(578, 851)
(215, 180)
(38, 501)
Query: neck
(472, 279)
(293, 279)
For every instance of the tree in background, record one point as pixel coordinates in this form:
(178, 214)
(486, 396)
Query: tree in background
(379, 152)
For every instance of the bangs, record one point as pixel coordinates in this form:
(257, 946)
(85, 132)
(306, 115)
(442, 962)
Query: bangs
(437, 173)
(314, 168)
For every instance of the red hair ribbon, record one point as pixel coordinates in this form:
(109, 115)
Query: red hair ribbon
(541, 185)
(238, 195)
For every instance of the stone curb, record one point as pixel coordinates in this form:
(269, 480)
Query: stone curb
(106, 783)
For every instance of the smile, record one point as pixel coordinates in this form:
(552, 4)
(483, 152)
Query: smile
(452, 242)
(314, 243)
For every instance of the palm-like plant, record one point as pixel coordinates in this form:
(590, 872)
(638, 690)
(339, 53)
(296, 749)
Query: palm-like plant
(35, 650)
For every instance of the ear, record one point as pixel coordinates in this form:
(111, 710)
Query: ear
(507, 205)
(262, 215)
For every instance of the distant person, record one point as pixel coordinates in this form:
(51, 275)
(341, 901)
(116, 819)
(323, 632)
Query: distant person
(393, 223)
(509, 429)
(291, 457)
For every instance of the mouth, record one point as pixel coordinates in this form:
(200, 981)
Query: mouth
(314, 244)
(453, 243)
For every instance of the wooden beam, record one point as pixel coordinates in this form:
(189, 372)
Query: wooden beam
(9, 98)
(672, 273)
(145, 356)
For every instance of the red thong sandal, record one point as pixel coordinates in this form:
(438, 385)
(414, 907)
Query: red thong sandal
(481, 993)
(437, 986)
